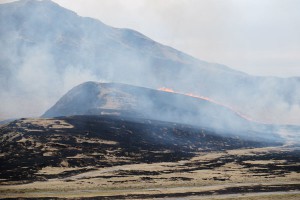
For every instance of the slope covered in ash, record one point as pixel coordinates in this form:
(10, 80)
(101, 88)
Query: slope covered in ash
(42, 57)
(84, 143)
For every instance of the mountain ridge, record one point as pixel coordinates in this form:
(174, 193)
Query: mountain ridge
(44, 57)
(133, 102)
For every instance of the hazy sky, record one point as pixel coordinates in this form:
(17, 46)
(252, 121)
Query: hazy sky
(260, 37)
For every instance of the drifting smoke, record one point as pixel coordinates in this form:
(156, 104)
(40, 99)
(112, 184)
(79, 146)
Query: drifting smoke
(37, 84)
(131, 102)
(210, 100)
(42, 58)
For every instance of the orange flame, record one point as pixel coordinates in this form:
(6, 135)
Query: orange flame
(167, 90)
(210, 100)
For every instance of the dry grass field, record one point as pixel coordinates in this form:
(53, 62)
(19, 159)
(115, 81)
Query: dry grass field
(88, 166)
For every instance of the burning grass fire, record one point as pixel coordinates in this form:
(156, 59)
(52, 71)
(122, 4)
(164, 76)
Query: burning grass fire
(165, 89)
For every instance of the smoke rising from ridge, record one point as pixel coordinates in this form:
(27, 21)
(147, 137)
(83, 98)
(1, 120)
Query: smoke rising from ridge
(131, 102)
(44, 57)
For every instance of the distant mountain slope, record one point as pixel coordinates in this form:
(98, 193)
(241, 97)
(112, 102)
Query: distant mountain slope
(46, 50)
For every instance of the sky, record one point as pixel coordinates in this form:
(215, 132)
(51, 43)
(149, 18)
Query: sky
(259, 37)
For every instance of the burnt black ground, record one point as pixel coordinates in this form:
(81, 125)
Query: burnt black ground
(133, 140)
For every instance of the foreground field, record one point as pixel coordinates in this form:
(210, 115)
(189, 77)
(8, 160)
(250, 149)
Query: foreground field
(255, 196)
(234, 171)
(59, 159)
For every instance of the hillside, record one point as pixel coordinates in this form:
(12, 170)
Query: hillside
(42, 58)
(105, 157)
(90, 142)
(93, 98)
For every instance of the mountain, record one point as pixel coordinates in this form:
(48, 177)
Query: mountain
(114, 99)
(47, 49)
